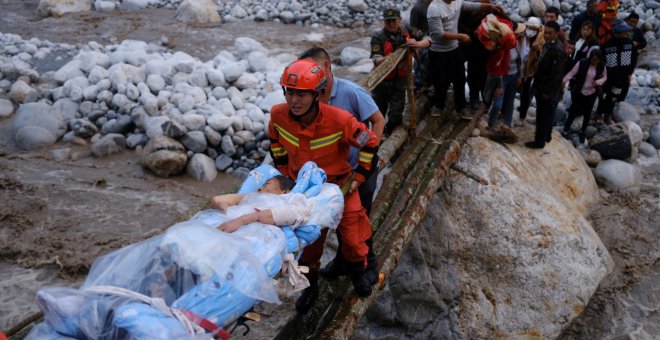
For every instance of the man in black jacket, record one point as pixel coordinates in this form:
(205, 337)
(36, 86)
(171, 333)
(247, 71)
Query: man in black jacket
(620, 60)
(547, 84)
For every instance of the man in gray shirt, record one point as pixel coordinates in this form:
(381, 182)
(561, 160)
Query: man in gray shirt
(447, 61)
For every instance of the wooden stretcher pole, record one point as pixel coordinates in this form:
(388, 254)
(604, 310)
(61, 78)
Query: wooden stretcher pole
(411, 90)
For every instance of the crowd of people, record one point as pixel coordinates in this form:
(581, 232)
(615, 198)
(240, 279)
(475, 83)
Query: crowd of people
(536, 59)
(337, 124)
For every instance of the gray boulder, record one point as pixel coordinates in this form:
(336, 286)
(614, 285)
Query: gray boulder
(202, 168)
(38, 115)
(109, 144)
(272, 98)
(164, 156)
(351, 55)
(654, 135)
(486, 268)
(647, 150)
(538, 7)
(219, 122)
(153, 125)
(198, 11)
(616, 174)
(6, 108)
(213, 137)
(625, 112)
(33, 137)
(122, 125)
(287, 17)
(194, 141)
(20, 91)
(173, 129)
(83, 128)
(223, 162)
(246, 45)
(134, 140)
(591, 157)
(228, 146)
(357, 5)
(194, 122)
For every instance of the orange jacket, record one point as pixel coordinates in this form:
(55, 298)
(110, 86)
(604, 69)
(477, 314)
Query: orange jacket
(326, 141)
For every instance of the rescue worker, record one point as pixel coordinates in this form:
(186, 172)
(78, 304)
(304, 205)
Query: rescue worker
(305, 129)
(390, 95)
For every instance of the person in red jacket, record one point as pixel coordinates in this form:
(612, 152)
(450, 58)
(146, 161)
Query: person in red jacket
(305, 129)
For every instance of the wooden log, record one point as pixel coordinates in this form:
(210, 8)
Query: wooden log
(351, 311)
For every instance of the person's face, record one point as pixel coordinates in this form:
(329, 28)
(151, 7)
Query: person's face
(632, 22)
(392, 25)
(550, 17)
(592, 9)
(271, 186)
(549, 34)
(570, 48)
(594, 60)
(587, 31)
(299, 101)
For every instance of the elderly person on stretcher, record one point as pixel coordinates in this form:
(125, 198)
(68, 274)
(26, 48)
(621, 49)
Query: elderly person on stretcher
(191, 277)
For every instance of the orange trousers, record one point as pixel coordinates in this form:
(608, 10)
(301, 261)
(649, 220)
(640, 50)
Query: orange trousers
(354, 230)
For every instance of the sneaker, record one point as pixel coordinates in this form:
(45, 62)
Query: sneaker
(333, 270)
(533, 145)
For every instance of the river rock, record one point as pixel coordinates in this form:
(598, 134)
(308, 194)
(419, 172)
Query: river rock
(272, 98)
(173, 129)
(194, 121)
(625, 112)
(238, 12)
(258, 61)
(227, 145)
(287, 17)
(538, 7)
(245, 45)
(216, 77)
(198, 12)
(39, 115)
(357, 5)
(232, 71)
(524, 8)
(104, 6)
(219, 122)
(109, 144)
(612, 143)
(194, 141)
(487, 271)
(164, 156)
(654, 135)
(591, 157)
(351, 55)
(136, 4)
(83, 128)
(647, 150)
(635, 134)
(6, 108)
(153, 125)
(20, 91)
(202, 168)
(133, 140)
(33, 137)
(58, 7)
(616, 174)
(247, 81)
(223, 162)
(213, 137)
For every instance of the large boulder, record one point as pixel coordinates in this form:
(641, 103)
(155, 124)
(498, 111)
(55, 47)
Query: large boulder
(616, 174)
(634, 132)
(538, 7)
(109, 144)
(612, 143)
(625, 112)
(351, 55)
(164, 156)
(39, 115)
(357, 5)
(6, 108)
(202, 168)
(654, 135)
(514, 258)
(198, 12)
(59, 7)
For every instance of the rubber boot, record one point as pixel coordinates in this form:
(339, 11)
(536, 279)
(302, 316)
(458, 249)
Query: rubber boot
(372, 263)
(336, 267)
(309, 294)
(360, 278)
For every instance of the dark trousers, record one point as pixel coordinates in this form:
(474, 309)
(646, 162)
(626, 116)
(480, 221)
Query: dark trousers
(448, 68)
(526, 93)
(476, 57)
(390, 97)
(582, 106)
(545, 116)
(610, 99)
(367, 189)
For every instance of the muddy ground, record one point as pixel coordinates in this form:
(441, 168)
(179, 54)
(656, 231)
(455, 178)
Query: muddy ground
(57, 216)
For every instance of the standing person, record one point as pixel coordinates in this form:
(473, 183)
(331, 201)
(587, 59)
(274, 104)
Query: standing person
(390, 95)
(587, 75)
(552, 14)
(620, 60)
(639, 42)
(547, 84)
(591, 14)
(587, 39)
(447, 61)
(305, 129)
(509, 80)
(475, 54)
(609, 12)
(531, 45)
(420, 26)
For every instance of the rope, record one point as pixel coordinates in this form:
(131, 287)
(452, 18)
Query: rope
(158, 303)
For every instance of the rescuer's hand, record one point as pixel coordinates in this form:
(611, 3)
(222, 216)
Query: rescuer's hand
(354, 185)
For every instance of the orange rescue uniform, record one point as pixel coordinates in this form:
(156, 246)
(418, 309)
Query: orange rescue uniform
(327, 142)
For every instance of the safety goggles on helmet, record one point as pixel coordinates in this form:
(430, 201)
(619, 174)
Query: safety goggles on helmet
(305, 75)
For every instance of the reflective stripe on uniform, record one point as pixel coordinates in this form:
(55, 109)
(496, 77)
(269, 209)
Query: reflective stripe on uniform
(287, 135)
(325, 141)
(278, 151)
(365, 157)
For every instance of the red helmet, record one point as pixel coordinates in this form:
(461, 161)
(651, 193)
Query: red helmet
(305, 75)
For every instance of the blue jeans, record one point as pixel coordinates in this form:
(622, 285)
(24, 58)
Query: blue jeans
(504, 103)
